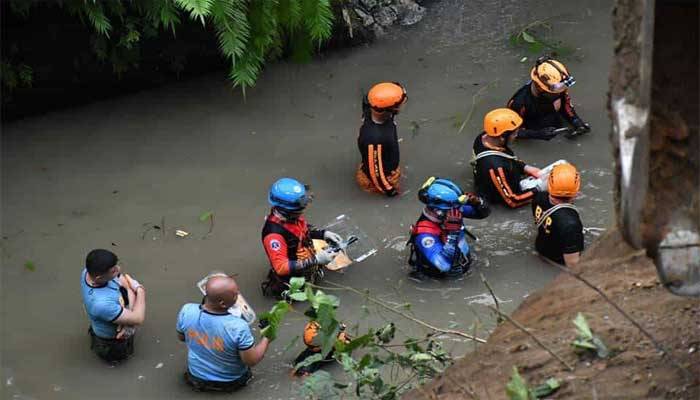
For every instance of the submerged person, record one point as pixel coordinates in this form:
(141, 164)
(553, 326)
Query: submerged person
(313, 347)
(220, 346)
(559, 227)
(544, 102)
(115, 304)
(288, 239)
(499, 175)
(378, 141)
(438, 240)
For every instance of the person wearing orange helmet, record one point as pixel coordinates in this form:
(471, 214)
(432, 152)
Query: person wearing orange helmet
(497, 172)
(313, 345)
(378, 140)
(544, 102)
(559, 227)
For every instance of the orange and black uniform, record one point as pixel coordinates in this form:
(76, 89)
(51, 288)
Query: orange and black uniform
(539, 112)
(498, 178)
(561, 233)
(287, 245)
(379, 147)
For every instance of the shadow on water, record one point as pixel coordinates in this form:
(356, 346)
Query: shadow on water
(91, 177)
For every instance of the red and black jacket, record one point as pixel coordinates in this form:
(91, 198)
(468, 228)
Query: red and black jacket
(288, 242)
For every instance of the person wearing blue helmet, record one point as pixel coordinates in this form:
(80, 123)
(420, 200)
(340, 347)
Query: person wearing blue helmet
(438, 241)
(287, 238)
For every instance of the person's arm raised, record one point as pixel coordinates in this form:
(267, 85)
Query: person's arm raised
(137, 314)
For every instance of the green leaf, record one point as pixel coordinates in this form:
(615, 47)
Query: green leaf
(584, 344)
(584, 331)
(198, 9)
(308, 361)
(274, 318)
(421, 357)
(30, 266)
(296, 283)
(547, 388)
(206, 215)
(517, 389)
(362, 341)
(298, 296)
(527, 37)
(329, 327)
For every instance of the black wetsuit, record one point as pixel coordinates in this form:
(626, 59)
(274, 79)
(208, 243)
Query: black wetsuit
(561, 233)
(538, 111)
(498, 178)
(379, 146)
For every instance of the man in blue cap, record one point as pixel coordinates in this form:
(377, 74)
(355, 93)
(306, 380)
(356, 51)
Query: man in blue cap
(439, 247)
(288, 239)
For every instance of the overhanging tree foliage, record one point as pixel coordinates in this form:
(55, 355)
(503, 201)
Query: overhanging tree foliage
(248, 31)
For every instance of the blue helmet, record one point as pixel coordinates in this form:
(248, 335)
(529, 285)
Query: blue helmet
(289, 194)
(440, 193)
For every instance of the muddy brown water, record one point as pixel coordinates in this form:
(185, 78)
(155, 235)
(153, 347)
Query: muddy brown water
(95, 176)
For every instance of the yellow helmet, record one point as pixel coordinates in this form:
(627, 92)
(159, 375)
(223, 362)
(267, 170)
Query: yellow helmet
(551, 75)
(501, 120)
(564, 181)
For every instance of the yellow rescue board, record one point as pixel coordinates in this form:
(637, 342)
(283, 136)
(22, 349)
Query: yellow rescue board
(339, 263)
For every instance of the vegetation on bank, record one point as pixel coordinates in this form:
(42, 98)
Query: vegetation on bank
(248, 32)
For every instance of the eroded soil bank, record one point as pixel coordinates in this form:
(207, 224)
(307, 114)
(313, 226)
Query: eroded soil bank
(635, 370)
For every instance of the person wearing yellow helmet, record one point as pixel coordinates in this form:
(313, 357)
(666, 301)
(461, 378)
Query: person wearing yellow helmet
(559, 227)
(378, 140)
(544, 102)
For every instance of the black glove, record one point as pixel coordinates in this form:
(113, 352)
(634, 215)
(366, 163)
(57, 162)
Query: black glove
(474, 200)
(546, 133)
(263, 323)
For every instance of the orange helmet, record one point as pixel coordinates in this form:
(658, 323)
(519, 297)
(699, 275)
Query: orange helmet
(386, 96)
(551, 76)
(501, 120)
(310, 332)
(564, 181)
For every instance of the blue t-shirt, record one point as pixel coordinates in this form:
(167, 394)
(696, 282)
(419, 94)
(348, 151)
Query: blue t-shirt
(103, 305)
(213, 342)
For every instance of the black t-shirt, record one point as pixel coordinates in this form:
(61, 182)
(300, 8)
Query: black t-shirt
(538, 111)
(561, 233)
(498, 178)
(379, 147)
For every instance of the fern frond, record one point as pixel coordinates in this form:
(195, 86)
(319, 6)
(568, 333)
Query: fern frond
(318, 19)
(198, 9)
(98, 19)
(232, 27)
(245, 72)
(289, 14)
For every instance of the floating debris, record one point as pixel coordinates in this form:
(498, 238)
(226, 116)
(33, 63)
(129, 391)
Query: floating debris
(159, 365)
(181, 233)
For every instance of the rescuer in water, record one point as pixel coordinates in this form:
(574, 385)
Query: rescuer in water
(378, 140)
(544, 102)
(559, 227)
(438, 240)
(287, 238)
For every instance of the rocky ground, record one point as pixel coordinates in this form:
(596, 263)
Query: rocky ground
(635, 369)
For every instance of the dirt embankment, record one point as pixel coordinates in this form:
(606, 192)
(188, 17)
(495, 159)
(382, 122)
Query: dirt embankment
(635, 370)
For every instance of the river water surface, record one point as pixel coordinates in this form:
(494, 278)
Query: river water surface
(98, 176)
